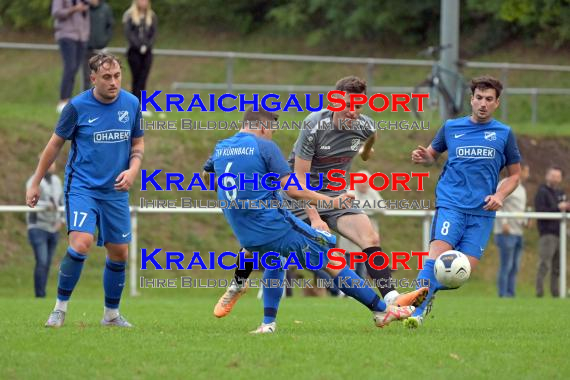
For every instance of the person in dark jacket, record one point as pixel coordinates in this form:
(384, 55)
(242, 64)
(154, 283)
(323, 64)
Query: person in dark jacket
(101, 16)
(140, 25)
(549, 198)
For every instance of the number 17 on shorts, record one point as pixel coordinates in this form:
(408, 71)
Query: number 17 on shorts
(111, 217)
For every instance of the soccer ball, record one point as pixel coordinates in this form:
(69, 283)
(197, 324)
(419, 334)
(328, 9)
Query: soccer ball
(452, 269)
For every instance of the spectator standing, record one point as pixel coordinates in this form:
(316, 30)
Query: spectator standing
(101, 31)
(71, 33)
(549, 198)
(140, 25)
(43, 227)
(509, 237)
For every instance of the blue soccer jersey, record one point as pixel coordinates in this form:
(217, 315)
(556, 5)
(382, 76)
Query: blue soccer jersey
(100, 137)
(476, 155)
(245, 153)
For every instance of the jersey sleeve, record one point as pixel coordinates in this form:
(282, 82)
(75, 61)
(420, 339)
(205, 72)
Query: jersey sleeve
(512, 152)
(306, 143)
(138, 130)
(439, 144)
(67, 124)
(274, 160)
(368, 127)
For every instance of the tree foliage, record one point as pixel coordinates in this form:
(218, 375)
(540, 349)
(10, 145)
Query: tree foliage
(490, 22)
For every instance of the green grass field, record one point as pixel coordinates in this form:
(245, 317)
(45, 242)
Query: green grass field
(472, 334)
(467, 336)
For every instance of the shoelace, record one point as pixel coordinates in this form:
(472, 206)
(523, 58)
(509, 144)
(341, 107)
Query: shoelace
(397, 313)
(263, 328)
(123, 321)
(58, 313)
(227, 298)
(429, 306)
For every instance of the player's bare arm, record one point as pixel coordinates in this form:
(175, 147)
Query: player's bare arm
(302, 167)
(47, 158)
(125, 179)
(425, 156)
(495, 201)
(206, 178)
(367, 149)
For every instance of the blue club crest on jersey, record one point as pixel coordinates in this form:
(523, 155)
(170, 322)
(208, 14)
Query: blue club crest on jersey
(123, 116)
(490, 136)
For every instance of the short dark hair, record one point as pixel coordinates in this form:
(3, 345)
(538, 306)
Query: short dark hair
(352, 84)
(555, 167)
(100, 59)
(260, 115)
(486, 82)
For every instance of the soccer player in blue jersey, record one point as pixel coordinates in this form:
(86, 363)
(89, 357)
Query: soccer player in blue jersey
(251, 151)
(478, 147)
(107, 146)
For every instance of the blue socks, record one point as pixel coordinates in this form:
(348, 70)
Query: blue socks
(69, 272)
(272, 294)
(353, 285)
(113, 282)
(425, 275)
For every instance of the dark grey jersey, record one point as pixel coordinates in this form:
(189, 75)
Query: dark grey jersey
(328, 147)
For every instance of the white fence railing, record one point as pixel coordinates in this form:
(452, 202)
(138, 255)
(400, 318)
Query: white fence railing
(371, 63)
(426, 216)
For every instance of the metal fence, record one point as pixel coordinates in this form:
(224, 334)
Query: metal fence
(370, 63)
(426, 216)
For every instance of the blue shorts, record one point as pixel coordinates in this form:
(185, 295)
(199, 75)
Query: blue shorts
(464, 232)
(302, 239)
(111, 217)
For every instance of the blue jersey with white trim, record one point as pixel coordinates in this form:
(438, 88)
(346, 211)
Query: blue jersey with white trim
(100, 137)
(476, 154)
(251, 155)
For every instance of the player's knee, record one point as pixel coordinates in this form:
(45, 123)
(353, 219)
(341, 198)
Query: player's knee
(368, 239)
(81, 244)
(118, 254)
(372, 240)
(473, 262)
(118, 258)
(437, 247)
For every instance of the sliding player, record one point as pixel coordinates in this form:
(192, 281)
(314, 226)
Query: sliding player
(269, 229)
(332, 142)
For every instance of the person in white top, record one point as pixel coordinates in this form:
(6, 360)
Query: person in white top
(509, 237)
(44, 226)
